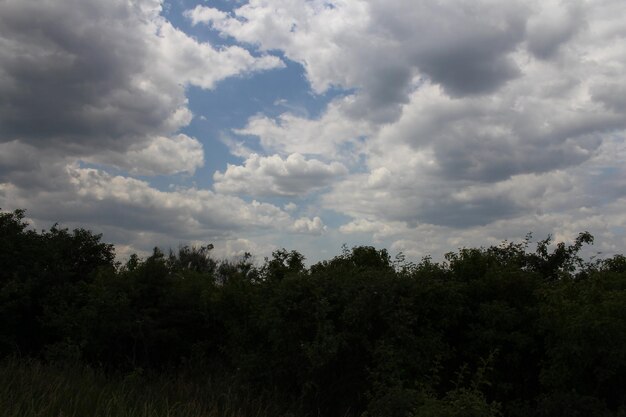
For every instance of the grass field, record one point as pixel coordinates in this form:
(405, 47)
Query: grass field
(31, 389)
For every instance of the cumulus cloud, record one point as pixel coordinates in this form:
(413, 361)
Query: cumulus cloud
(104, 199)
(474, 115)
(291, 206)
(305, 225)
(273, 175)
(553, 26)
(30, 168)
(163, 155)
(432, 215)
(477, 57)
(611, 93)
(542, 144)
(421, 201)
(379, 47)
(409, 188)
(105, 83)
(87, 76)
(379, 230)
(289, 133)
(202, 65)
(491, 139)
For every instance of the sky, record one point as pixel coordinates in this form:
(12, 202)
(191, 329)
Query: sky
(413, 125)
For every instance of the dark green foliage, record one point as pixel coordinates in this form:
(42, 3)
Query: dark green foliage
(585, 326)
(498, 331)
(44, 278)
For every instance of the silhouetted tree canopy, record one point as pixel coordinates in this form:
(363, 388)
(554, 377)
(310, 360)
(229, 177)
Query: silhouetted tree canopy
(496, 331)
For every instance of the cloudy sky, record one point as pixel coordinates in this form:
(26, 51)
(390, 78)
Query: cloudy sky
(419, 126)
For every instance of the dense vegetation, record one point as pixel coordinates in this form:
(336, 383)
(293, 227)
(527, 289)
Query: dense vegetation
(490, 331)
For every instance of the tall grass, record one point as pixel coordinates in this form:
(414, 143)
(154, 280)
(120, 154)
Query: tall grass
(32, 389)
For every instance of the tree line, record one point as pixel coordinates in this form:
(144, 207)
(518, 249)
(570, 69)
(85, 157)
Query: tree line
(493, 331)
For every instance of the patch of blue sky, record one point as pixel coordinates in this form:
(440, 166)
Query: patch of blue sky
(107, 168)
(234, 100)
(608, 171)
(200, 32)
(358, 163)
(302, 202)
(605, 185)
(618, 230)
(174, 11)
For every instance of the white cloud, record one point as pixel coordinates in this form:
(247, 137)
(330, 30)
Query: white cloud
(94, 77)
(379, 230)
(235, 248)
(332, 131)
(202, 65)
(136, 216)
(105, 83)
(553, 26)
(132, 204)
(273, 175)
(432, 216)
(524, 157)
(305, 225)
(378, 47)
(163, 155)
